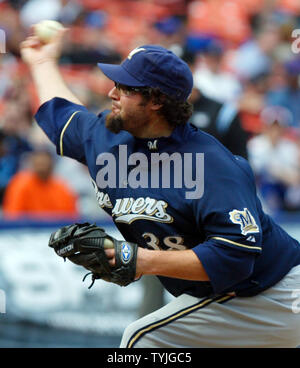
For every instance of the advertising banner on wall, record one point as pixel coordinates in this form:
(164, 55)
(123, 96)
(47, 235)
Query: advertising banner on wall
(40, 288)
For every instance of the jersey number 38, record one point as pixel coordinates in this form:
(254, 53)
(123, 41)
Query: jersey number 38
(172, 242)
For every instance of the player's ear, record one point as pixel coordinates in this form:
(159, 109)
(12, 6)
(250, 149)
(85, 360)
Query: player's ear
(155, 105)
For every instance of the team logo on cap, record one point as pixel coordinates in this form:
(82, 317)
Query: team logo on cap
(135, 51)
(125, 253)
(245, 220)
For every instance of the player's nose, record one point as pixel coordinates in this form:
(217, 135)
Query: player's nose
(114, 94)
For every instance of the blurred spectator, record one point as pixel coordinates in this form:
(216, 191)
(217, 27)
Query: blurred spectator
(275, 159)
(254, 57)
(212, 79)
(12, 150)
(228, 19)
(34, 11)
(288, 95)
(36, 193)
(67, 169)
(252, 102)
(11, 25)
(16, 118)
(15, 124)
(171, 34)
(8, 165)
(220, 120)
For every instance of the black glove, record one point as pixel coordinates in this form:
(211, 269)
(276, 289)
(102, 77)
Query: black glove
(84, 244)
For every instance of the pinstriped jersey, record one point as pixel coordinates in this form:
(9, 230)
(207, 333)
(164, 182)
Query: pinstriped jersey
(185, 191)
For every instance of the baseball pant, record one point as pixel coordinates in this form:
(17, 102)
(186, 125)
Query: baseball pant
(270, 319)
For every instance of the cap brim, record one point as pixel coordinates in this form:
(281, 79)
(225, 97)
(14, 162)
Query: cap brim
(118, 74)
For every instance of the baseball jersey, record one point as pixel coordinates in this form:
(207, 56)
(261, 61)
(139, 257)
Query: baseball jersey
(185, 191)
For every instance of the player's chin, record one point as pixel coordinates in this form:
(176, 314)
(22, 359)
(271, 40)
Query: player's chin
(114, 122)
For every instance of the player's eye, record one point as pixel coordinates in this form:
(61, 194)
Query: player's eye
(129, 91)
(125, 90)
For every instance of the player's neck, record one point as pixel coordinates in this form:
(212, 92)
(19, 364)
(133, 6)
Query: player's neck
(156, 128)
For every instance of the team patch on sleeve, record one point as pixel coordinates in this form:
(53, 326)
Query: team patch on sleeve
(251, 239)
(245, 220)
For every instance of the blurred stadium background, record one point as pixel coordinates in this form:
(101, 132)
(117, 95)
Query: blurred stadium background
(245, 58)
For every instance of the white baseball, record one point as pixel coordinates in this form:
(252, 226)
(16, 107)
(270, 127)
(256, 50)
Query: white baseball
(47, 29)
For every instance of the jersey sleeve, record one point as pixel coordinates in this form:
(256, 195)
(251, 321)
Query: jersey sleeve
(228, 215)
(68, 125)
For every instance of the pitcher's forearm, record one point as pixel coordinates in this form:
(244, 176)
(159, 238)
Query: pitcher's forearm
(179, 264)
(49, 82)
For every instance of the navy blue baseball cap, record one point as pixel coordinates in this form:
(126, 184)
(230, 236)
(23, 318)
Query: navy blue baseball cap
(153, 66)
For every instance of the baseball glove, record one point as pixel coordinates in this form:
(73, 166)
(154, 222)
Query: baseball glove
(84, 245)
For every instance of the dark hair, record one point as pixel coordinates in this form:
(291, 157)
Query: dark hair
(175, 112)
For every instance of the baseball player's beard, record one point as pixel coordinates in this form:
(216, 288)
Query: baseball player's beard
(114, 123)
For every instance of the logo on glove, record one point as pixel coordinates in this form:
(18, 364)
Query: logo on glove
(126, 253)
(65, 250)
